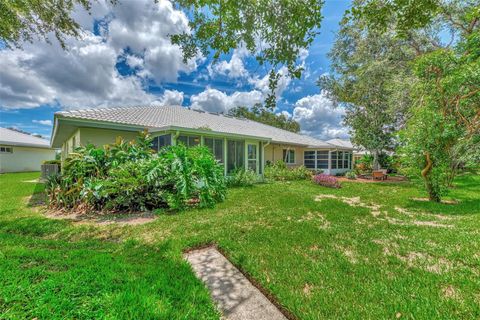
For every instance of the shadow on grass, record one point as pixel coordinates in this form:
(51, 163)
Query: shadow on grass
(464, 207)
(32, 226)
(38, 196)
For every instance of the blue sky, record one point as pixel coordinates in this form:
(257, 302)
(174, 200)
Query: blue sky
(112, 67)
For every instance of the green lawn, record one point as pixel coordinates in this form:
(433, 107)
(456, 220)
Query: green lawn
(381, 255)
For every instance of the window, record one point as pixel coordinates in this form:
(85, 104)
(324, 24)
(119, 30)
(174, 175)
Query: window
(340, 160)
(6, 150)
(252, 157)
(216, 147)
(346, 156)
(315, 159)
(309, 159)
(334, 160)
(161, 141)
(322, 159)
(235, 155)
(189, 141)
(289, 155)
(74, 143)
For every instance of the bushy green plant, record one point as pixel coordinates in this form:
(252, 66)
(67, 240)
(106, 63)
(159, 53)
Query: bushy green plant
(280, 172)
(129, 176)
(351, 175)
(242, 178)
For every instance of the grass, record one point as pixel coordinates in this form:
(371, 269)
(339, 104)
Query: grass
(380, 255)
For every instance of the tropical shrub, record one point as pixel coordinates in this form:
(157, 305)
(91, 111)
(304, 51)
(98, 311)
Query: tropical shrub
(241, 178)
(326, 180)
(129, 176)
(351, 175)
(280, 172)
(364, 164)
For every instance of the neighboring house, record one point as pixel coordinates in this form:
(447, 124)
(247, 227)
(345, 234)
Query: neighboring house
(358, 152)
(23, 152)
(237, 143)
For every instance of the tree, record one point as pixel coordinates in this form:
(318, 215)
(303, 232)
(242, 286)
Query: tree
(445, 114)
(23, 20)
(446, 117)
(261, 114)
(275, 31)
(371, 78)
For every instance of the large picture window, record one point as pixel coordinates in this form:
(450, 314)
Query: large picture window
(315, 159)
(341, 160)
(309, 159)
(333, 164)
(322, 159)
(289, 156)
(216, 147)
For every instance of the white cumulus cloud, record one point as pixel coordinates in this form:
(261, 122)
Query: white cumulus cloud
(172, 97)
(85, 75)
(233, 68)
(282, 84)
(319, 117)
(214, 100)
(43, 122)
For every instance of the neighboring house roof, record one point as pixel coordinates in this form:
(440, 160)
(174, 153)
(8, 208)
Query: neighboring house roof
(158, 118)
(14, 138)
(344, 143)
(341, 143)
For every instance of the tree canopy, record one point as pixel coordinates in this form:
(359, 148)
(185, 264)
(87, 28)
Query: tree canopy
(23, 20)
(273, 31)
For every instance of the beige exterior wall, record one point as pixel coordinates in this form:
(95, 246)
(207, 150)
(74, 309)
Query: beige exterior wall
(96, 136)
(274, 152)
(100, 137)
(24, 159)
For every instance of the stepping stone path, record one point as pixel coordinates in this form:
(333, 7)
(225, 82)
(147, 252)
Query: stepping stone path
(235, 296)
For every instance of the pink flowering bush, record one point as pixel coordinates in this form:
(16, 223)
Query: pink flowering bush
(326, 180)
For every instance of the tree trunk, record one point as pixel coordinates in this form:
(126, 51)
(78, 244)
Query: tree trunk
(376, 165)
(432, 194)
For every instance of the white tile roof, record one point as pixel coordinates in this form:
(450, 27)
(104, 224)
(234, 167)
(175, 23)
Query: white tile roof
(15, 138)
(160, 117)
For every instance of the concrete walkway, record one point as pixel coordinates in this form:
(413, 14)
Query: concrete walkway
(235, 296)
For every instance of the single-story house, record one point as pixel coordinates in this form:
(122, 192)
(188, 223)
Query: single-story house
(23, 152)
(358, 152)
(236, 143)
